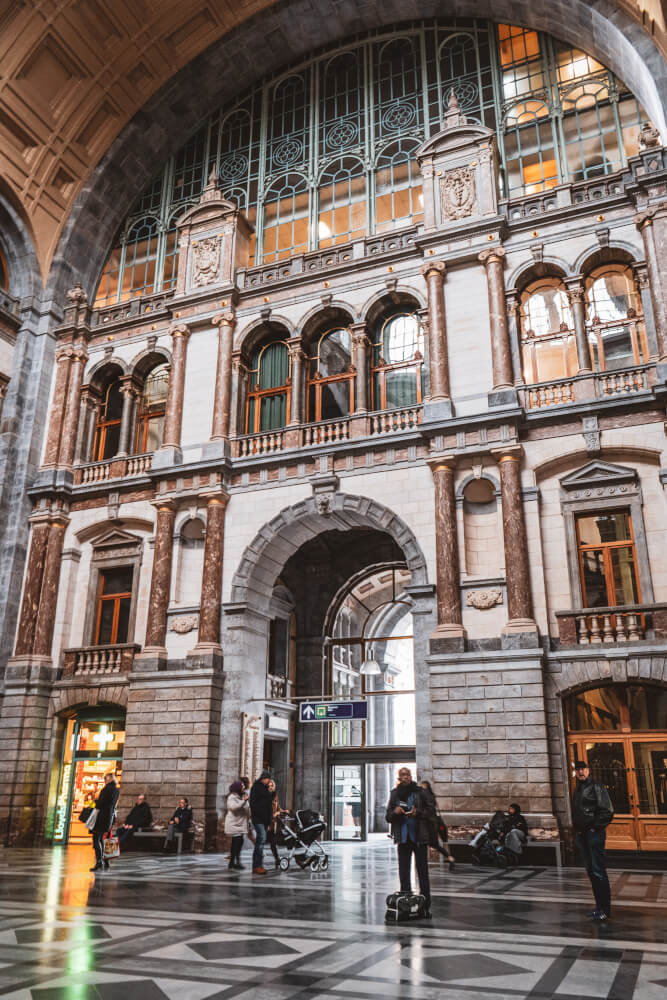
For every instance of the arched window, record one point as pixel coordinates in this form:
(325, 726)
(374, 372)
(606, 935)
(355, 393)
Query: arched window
(108, 285)
(590, 132)
(107, 427)
(286, 218)
(342, 122)
(530, 148)
(140, 258)
(4, 274)
(398, 361)
(150, 421)
(398, 188)
(170, 266)
(331, 377)
(397, 106)
(465, 68)
(269, 390)
(342, 215)
(547, 335)
(613, 308)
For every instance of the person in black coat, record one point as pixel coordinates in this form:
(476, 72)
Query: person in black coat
(408, 816)
(592, 812)
(515, 829)
(261, 814)
(106, 812)
(139, 817)
(437, 825)
(180, 821)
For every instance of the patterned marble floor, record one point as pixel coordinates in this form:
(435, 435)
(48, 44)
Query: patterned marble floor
(187, 929)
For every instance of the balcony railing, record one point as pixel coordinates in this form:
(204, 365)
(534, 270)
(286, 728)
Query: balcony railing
(96, 661)
(113, 468)
(600, 385)
(623, 623)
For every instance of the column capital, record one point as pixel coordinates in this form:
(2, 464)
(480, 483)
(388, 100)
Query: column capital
(295, 348)
(219, 498)
(640, 271)
(225, 319)
(180, 330)
(442, 463)
(434, 266)
(510, 453)
(645, 218)
(129, 386)
(239, 363)
(163, 504)
(359, 335)
(65, 353)
(492, 255)
(575, 288)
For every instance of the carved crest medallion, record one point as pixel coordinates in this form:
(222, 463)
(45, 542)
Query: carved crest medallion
(459, 197)
(184, 624)
(483, 599)
(206, 261)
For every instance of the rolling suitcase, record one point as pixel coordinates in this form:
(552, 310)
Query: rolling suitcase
(402, 906)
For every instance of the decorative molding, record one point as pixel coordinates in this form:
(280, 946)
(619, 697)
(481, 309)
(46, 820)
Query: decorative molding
(458, 194)
(483, 599)
(184, 624)
(206, 260)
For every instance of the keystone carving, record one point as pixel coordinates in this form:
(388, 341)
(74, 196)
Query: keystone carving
(483, 599)
(459, 197)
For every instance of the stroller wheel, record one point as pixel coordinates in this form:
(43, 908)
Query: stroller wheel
(315, 864)
(324, 863)
(283, 864)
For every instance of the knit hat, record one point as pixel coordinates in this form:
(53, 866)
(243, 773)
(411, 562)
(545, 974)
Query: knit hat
(264, 774)
(236, 788)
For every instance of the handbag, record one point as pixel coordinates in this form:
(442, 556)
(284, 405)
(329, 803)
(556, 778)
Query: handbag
(111, 848)
(85, 813)
(92, 819)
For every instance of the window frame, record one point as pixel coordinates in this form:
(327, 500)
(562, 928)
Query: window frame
(115, 600)
(102, 425)
(145, 415)
(378, 368)
(606, 548)
(315, 381)
(259, 394)
(115, 550)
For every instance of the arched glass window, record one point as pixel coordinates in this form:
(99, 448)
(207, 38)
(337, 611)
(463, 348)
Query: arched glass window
(398, 189)
(330, 377)
(530, 148)
(269, 390)
(108, 285)
(170, 266)
(465, 68)
(398, 361)
(286, 218)
(150, 422)
(342, 124)
(190, 168)
(342, 215)
(397, 105)
(616, 329)
(589, 128)
(107, 427)
(547, 334)
(140, 259)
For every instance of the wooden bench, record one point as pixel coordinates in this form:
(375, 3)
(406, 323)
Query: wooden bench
(532, 845)
(161, 834)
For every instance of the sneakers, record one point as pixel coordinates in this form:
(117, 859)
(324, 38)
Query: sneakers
(259, 871)
(599, 915)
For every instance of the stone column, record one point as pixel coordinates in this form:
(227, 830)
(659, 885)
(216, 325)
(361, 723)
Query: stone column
(73, 407)
(297, 404)
(58, 403)
(173, 420)
(222, 403)
(576, 296)
(158, 602)
(25, 635)
(46, 616)
(641, 277)
(239, 394)
(651, 224)
(514, 330)
(360, 353)
(211, 586)
(439, 399)
(521, 629)
(501, 352)
(450, 634)
(129, 391)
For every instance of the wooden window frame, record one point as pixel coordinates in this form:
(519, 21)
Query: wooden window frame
(115, 599)
(102, 426)
(315, 382)
(259, 394)
(146, 414)
(606, 548)
(379, 370)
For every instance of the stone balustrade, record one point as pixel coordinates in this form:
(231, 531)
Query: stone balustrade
(623, 623)
(599, 385)
(113, 468)
(96, 661)
(616, 383)
(391, 421)
(328, 432)
(265, 443)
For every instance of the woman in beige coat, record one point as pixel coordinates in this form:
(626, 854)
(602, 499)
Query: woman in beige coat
(236, 822)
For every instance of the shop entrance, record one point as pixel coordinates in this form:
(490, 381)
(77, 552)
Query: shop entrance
(92, 746)
(623, 736)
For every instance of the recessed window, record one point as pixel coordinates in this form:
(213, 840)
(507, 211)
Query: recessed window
(113, 606)
(607, 559)
(107, 429)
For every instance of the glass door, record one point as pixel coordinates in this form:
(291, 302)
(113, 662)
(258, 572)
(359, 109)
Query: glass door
(348, 802)
(650, 760)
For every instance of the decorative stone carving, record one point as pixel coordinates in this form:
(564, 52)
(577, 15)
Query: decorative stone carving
(77, 295)
(649, 136)
(459, 197)
(483, 599)
(323, 504)
(206, 261)
(184, 624)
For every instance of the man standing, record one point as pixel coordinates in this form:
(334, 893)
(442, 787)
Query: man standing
(592, 812)
(407, 814)
(261, 814)
(106, 811)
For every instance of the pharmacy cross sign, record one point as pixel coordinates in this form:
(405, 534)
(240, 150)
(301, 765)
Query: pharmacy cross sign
(103, 737)
(329, 711)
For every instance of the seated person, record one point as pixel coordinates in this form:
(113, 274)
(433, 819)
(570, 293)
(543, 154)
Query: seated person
(515, 830)
(139, 817)
(179, 822)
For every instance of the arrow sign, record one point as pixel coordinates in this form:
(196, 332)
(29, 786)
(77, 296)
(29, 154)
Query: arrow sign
(329, 711)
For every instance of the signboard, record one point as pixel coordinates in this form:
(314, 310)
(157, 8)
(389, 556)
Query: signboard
(329, 711)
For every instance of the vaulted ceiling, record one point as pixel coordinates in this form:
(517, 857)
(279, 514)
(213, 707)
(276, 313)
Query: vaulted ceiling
(73, 73)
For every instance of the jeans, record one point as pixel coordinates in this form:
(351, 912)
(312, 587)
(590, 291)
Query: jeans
(590, 844)
(405, 852)
(123, 834)
(258, 853)
(515, 840)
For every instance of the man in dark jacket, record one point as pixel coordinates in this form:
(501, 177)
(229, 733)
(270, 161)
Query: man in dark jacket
(180, 822)
(139, 817)
(106, 811)
(408, 816)
(261, 814)
(592, 812)
(515, 830)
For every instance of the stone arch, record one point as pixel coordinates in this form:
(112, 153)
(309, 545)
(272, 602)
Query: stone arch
(619, 252)
(96, 375)
(262, 327)
(460, 490)
(66, 699)
(597, 670)
(317, 318)
(280, 538)
(529, 271)
(146, 360)
(579, 456)
(387, 298)
(18, 248)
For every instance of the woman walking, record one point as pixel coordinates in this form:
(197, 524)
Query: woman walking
(437, 825)
(106, 812)
(236, 822)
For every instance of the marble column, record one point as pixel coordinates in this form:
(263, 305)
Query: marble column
(297, 403)
(173, 420)
(73, 407)
(514, 330)
(211, 586)
(361, 346)
(46, 615)
(644, 286)
(25, 635)
(239, 394)
(450, 627)
(521, 628)
(434, 272)
(577, 299)
(158, 602)
(501, 352)
(652, 225)
(58, 403)
(222, 402)
(130, 394)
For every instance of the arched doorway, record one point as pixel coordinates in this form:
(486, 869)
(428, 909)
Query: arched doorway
(621, 730)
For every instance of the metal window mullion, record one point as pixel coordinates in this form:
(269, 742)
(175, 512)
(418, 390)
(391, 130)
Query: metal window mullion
(313, 159)
(496, 82)
(615, 100)
(424, 75)
(261, 175)
(369, 139)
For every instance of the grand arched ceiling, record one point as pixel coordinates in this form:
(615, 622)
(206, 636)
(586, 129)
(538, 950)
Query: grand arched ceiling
(74, 73)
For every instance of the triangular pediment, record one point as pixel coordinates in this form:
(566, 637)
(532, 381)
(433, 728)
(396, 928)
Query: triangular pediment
(596, 474)
(451, 139)
(116, 537)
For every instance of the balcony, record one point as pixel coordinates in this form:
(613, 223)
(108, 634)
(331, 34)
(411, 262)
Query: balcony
(99, 661)
(113, 468)
(604, 626)
(579, 388)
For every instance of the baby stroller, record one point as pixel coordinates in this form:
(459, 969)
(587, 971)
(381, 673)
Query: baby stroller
(299, 835)
(488, 845)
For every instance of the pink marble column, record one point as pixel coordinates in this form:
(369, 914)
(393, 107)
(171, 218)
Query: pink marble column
(158, 602)
(653, 226)
(434, 272)
(239, 394)
(73, 407)
(173, 420)
(222, 403)
(447, 550)
(130, 394)
(58, 402)
(211, 587)
(46, 616)
(515, 539)
(25, 635)
(361, 346)
(577, 299)
(501, 352)
(297, 402)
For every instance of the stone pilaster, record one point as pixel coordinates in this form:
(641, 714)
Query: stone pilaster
(211, 587)
(576, 296)
(46, 614)
(514, 330)
(32, 589)
(360, 355)
(58, 403)
(438, 404)
(130, 395)
(653, 226)
(72, 407)
(501, 351)
(158, 602)
(449, 634)
(298, 402)
(173, 421)
(222, 403)
(239, 394)
(521, 630)
(641, 277)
